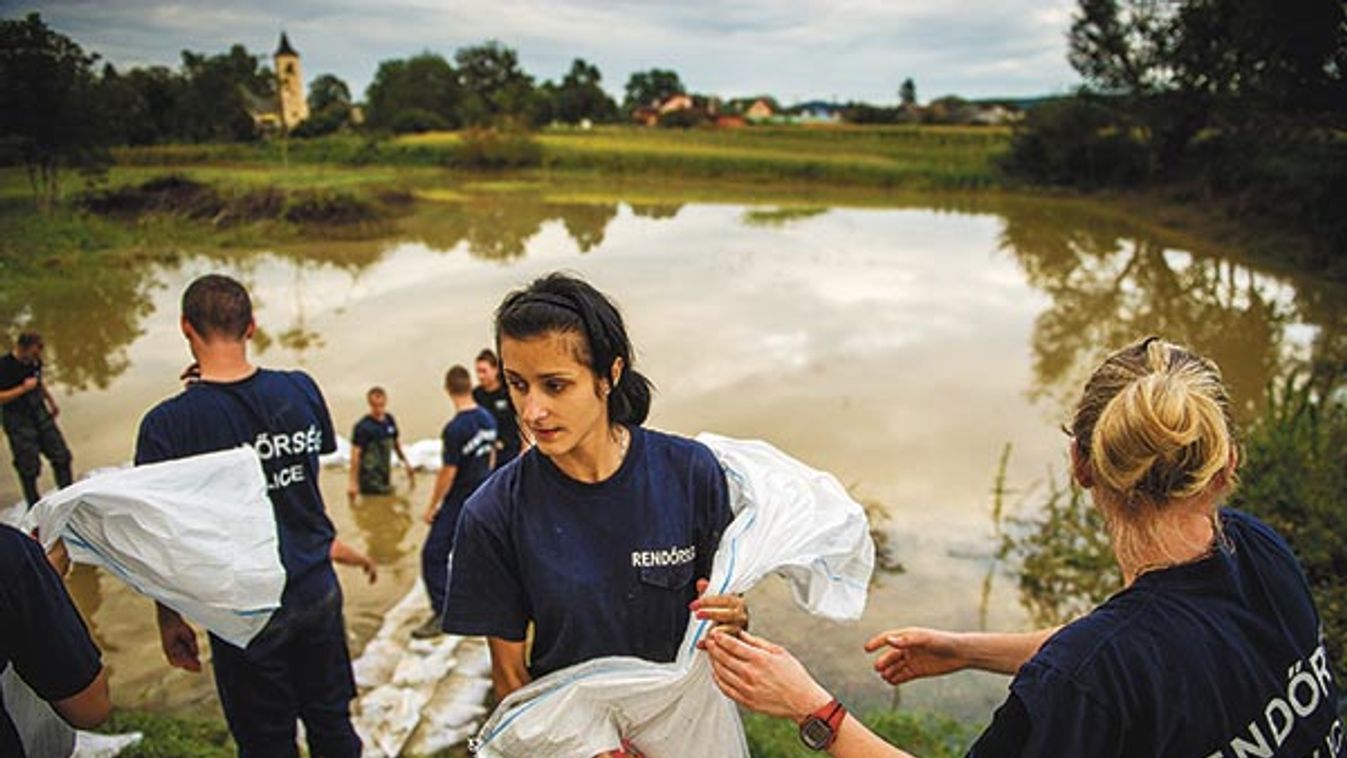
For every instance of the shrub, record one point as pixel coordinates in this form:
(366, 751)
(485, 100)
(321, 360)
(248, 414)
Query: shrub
(1294, 477)
(495, 149)
(418, 120)
(1076, 142)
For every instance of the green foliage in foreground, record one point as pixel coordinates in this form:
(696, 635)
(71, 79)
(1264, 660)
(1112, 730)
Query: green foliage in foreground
(924, 735)
(172, 737)
(1294, 478)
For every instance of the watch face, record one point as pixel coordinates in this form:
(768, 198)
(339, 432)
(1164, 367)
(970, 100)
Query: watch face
(815, 733)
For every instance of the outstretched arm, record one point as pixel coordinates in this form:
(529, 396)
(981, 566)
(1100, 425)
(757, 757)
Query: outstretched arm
(917, 653)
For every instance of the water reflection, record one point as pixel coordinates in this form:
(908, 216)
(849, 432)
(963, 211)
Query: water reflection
(1111, 283)
(384, 522)
(499, 225)
(88, 317)
(900, 344)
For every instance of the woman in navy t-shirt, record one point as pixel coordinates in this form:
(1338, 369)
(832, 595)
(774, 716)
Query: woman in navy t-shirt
(600, 533)
(1213, 648)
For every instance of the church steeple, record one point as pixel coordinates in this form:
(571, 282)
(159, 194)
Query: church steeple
(284, 48)
(289, 84)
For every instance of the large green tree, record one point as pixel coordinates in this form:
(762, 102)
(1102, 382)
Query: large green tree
(218, 91)
(653, 86)
(421, 92)
(1179, 67)
(495, 88)
(50, 118)
(581, 96)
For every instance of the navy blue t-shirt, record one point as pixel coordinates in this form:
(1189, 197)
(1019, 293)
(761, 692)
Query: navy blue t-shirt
(40, 630)
(600, 569)
(466, 443)
(1214, 659)
(368, 430)
(282, 415)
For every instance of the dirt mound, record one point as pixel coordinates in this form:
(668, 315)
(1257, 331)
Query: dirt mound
(172, 193)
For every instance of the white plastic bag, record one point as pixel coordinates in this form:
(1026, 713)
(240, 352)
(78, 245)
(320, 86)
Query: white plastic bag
(789, 519)
(197, 534)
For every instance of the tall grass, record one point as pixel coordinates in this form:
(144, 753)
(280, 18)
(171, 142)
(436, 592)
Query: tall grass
(909, 156)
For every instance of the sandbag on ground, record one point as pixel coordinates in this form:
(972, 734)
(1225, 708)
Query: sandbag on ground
(197, 534)
(789, 519)
(418, 697)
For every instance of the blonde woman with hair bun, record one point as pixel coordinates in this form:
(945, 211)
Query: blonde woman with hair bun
(1212, 648)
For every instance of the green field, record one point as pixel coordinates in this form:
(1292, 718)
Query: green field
(909, 157)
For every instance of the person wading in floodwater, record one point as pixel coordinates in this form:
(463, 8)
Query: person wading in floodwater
(298, 667)
(1212, 648)
(373, 442)
(597, 535)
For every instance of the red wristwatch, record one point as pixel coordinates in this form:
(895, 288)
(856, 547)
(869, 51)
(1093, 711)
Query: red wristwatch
(819, 730)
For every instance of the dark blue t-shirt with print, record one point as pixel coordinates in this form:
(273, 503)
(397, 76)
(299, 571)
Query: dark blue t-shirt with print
(466, 444)
(41, 633)
(282, 415)
(1221, 658)
(601, 569)
(369, 430)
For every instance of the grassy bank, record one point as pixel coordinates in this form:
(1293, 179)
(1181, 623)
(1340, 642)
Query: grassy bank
(923, 734)
(908, 157)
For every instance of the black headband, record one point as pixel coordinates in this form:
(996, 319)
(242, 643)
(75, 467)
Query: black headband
(547, 298)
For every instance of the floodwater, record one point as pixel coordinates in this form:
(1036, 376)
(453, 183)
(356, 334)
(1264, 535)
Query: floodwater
(900, 347)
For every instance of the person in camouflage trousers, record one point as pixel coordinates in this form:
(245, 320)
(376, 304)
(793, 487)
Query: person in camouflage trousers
(29, 414)
(373, 442)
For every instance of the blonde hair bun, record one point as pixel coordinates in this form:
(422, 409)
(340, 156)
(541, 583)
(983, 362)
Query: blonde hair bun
(1156, 418)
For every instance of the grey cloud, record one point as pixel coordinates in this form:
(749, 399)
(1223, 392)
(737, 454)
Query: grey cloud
(852, 49)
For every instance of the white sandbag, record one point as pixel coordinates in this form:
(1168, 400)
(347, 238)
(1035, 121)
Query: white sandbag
(93, 745)
(789, 519)
(426, 454)
(418, 697)
(339, 458)
(197, 534)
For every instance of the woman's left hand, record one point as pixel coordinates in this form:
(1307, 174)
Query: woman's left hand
(728, 612)
(763, 677)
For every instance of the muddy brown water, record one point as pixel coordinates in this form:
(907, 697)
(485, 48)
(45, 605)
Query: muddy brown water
(900, 348)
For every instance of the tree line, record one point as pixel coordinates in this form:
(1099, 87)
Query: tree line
(1239, 105)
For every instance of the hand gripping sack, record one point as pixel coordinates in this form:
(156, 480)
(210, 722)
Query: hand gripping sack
(790, 520)
(197, 534)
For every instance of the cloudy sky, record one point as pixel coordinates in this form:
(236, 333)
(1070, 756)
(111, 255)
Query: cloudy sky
(794, 49)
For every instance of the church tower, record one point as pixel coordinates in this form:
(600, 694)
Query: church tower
(290, 85)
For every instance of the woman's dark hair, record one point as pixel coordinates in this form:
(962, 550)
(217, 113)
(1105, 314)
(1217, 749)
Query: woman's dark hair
(560, 302)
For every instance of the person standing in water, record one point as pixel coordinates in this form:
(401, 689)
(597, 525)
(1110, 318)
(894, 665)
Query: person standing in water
(597, 535)
(468, 443)
(373, 442)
